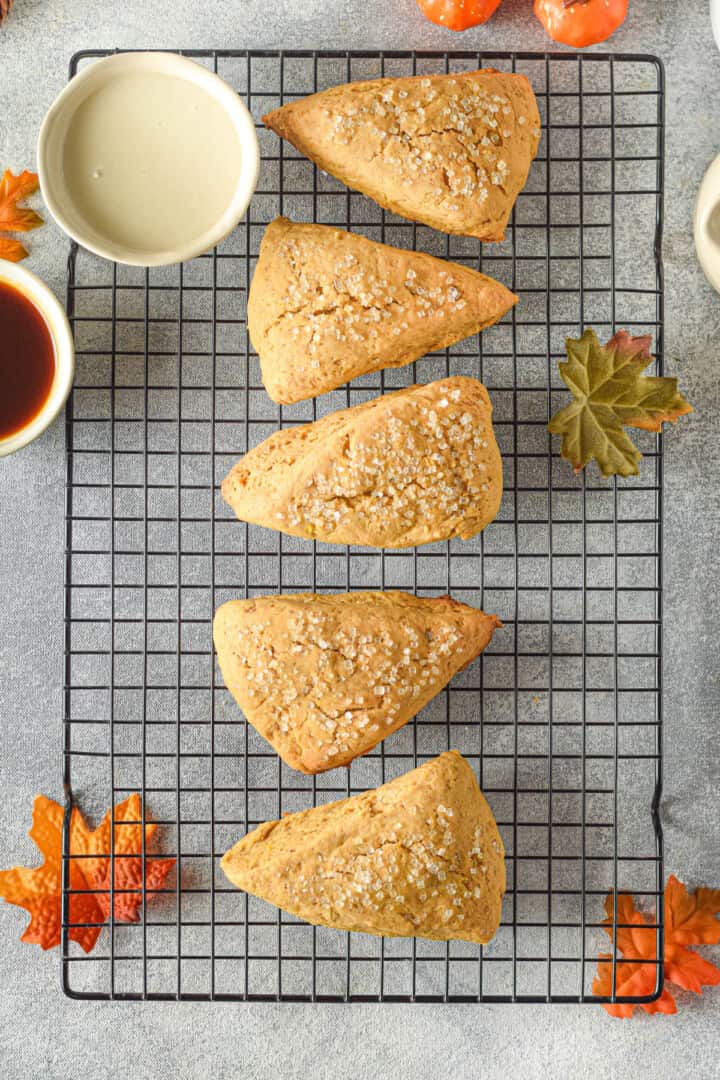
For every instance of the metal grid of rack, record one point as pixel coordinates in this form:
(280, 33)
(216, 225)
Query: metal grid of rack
(561, 717)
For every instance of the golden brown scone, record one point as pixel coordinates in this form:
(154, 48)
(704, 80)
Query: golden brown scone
(452, 151)
(407, 468)
(418, 857)
(326, 306)
(326, 678)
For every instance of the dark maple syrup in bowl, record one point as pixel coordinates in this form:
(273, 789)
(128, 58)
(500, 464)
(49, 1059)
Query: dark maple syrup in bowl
(27, 361)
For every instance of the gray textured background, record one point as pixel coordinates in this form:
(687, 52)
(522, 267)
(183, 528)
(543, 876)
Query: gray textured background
(44, 1035)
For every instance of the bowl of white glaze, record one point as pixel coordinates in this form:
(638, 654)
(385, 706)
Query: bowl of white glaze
(148, 158)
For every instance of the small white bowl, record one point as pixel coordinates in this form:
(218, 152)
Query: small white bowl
(715, 19)
(706, 224)
(45, 301)
(57, 123)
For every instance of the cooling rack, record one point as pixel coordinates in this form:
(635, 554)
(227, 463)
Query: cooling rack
(561, 717)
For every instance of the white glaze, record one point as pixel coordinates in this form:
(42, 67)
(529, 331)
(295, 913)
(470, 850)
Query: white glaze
(151, 161)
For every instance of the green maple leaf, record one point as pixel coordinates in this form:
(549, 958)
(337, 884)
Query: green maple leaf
(611, 393)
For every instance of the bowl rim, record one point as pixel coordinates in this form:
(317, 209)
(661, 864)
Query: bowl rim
(170, 63)
(52, 311)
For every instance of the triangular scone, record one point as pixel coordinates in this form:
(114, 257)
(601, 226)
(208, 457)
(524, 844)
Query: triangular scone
(418, 857)
(326, 306)
(325, 678)
(452, 151)
(407, 468)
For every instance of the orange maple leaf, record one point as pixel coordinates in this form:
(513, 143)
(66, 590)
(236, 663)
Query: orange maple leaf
(39, 889)
(689, 920)
(631, 980)
(12, 250)
(13, 189)
(636, 940)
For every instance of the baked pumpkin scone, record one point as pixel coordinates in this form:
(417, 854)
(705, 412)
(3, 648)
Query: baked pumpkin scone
(407, 468)
(420, 856)
(326, 678)
(326, 306)
(451, 151)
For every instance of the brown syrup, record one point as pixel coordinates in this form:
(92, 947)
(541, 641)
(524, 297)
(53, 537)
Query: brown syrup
(27, 361)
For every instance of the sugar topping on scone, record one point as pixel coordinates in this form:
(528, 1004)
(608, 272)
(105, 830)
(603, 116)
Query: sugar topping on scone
(452, 151)
(361, 302)
(430, 129)
(325, 678)
(411, 467)
(420, 856)
(453, 477)
(327, 305)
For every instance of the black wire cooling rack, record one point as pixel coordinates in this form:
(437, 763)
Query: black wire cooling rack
(561, 717)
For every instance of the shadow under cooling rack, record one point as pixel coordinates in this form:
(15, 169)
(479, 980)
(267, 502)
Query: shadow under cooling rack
(561, 717)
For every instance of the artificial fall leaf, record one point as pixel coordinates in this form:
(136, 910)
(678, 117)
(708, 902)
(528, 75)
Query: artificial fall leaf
(38, 889)
(12, 250)
(128, 870)
(13, 189)
(689, 920)
(631, 980)
(692, 920)
(611, 393)
(689, 970)
(15, 218)
(634, 940)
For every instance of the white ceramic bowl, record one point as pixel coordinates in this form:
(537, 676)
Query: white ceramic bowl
(715, 19)
(56, 321)
(55, 128)
(706, 224)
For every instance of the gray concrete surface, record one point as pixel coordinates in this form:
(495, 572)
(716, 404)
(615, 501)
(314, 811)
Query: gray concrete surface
(44, 1035)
